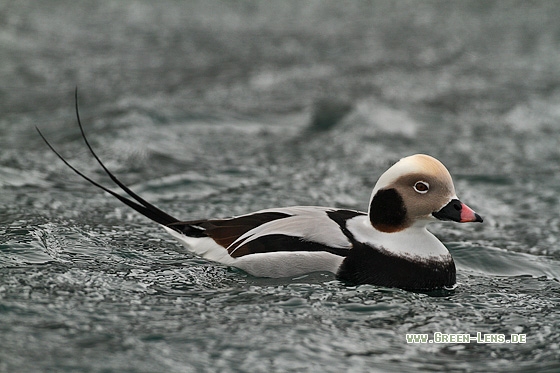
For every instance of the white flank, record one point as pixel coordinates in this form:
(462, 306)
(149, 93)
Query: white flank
(288, 263)
(276, 264)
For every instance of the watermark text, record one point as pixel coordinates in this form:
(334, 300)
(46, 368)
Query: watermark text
(479, 337)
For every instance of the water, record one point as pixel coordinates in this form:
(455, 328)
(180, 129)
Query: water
(218, 108)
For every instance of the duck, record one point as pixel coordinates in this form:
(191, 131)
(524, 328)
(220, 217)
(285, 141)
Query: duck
(387, 246)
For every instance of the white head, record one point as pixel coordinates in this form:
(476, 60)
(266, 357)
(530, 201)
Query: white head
(416, 190)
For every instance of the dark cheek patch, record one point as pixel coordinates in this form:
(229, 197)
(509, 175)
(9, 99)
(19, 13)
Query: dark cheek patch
(387, 211)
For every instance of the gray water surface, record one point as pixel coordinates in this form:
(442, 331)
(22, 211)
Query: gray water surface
(218, 108)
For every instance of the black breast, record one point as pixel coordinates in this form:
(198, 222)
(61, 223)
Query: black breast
(367, 265)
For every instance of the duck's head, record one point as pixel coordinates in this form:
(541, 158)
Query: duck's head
(414, 191)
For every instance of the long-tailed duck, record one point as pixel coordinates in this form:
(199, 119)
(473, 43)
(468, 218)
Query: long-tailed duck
(387, 246)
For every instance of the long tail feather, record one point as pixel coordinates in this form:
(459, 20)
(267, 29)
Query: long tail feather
(140, 205)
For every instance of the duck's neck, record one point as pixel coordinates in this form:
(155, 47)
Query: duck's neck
(414, 242)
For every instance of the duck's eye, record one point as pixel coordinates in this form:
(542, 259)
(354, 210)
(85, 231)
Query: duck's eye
(421, 187)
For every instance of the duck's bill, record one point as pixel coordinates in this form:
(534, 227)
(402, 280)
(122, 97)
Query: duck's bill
(457, 211)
